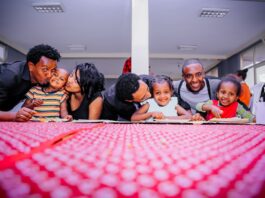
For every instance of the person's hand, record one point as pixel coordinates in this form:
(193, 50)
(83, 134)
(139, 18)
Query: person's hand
(158, 115)
(216, 111)
(36, 102)
(68, 117)
(197, 117)
(24, 114)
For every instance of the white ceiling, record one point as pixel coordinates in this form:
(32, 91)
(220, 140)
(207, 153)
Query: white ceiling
(104, 27)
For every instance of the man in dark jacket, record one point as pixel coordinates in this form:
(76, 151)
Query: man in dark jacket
(122, 98)
(18, 77)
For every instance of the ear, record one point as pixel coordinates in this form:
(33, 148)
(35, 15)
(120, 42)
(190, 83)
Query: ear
(31, 66)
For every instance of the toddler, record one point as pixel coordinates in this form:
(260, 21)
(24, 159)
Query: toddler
(227, 105)
(50, 102)
(162, 105)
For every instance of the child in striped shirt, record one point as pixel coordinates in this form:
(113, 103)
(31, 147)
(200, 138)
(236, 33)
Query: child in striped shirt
(50, 102)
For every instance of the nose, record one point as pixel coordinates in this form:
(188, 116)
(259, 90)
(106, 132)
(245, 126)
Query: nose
(194, 78)
(49, 75)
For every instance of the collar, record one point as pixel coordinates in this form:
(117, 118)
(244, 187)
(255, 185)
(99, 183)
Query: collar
(25, 72)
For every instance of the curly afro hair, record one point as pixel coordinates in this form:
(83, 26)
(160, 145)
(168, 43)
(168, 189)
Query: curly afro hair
(38, 51)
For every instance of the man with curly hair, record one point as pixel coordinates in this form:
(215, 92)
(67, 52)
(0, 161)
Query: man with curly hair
(121, 99)
(17, 78)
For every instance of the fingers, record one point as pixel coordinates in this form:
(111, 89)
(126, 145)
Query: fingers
(158, 115)
(197, 117)
(218, 113)
(37, 102)
(68, 117)
(24, 114)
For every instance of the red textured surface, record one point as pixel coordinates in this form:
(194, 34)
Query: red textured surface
(136, 160)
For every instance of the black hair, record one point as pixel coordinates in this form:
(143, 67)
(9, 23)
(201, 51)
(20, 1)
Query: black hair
(231, 79)
(163, 78)
(190, 62)
(91, 80)
(38, 51)
(126, 85)
(242, 73)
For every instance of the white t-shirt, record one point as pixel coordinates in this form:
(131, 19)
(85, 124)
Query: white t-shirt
(168, 110)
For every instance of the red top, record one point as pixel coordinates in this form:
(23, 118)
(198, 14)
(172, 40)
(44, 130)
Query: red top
(127, 67)
(228, 111)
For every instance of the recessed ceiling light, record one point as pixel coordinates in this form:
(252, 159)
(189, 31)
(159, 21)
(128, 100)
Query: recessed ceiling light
(45, 7)
(79, 48)
(187, 47)
(213, 12)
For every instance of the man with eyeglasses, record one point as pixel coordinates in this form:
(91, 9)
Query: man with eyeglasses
(121, 99)
(194, 87)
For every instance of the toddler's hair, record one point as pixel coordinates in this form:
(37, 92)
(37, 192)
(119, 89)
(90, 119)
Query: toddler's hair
(163, 78)
(232, 79)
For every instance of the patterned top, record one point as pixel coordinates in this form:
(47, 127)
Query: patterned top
(240, 110)
(51, 102)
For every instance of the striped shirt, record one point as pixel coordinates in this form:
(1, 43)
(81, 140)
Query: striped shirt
(51, 102)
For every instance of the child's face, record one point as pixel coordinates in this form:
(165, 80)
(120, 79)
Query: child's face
(72, 82)
(59, 78)
(162, 93)
(227, 93)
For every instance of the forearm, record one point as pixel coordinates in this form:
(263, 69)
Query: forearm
(7, 116)
(63, 110)
(206, 107)
(141, 116)
(185, 116)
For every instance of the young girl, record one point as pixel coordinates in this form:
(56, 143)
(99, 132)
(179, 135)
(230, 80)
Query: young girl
(50, 102)
(162, 105)
(227, 106)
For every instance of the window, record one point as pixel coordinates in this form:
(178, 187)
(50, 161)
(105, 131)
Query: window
(259, 53)
(260, 73)
(2, 53)
(254, 60)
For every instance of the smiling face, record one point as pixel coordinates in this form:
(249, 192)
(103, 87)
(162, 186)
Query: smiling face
(72, 85)
(193, 74)
(42, 71)
(59, 78)
(227, 94)
(162, 93)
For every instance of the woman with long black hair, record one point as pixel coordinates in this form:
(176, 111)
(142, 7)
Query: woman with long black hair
(85, 85)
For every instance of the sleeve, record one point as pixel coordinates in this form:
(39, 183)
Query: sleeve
(97, 94)
(175, 100)
(64, 97)
(30, 93)
(199, 105)
(243, 113)
(7, 83)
